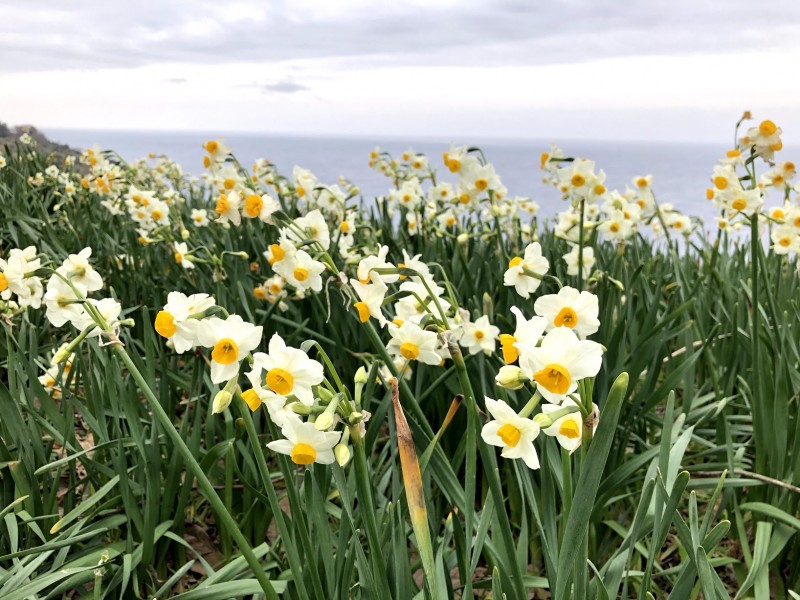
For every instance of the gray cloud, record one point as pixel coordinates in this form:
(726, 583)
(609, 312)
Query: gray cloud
(284, 87)
(92, 34)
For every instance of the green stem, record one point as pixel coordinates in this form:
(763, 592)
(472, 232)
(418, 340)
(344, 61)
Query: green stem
(364, 485)
(226, 520)
(754, 339)
(580, 245)
(566, 496)
(283, 529)
(493, 476)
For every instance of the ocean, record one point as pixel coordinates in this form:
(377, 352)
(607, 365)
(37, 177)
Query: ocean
(681, 171)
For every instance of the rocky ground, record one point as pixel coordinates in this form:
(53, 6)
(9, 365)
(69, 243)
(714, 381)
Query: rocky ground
(9, 136)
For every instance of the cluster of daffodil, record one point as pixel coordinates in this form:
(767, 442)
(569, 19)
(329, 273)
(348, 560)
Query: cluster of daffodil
(285, 380)
(615, 215)
(739, 197)
(460, 208)
(65, 296)
(549, 353)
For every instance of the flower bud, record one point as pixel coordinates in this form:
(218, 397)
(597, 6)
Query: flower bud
(342, 454)
(361, 375)
(462, 238)
(221, 401)
(324, 422)
(62, 355)
(185, 234)
(355, 417)
(510, 377)
(299, 408)
(324, 394)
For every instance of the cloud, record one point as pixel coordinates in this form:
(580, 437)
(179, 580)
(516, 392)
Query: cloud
(284, 87)
(91, 34)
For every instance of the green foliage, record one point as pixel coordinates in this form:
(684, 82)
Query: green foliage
(688, 487)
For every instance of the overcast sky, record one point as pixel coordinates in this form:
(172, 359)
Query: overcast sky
(677, 70)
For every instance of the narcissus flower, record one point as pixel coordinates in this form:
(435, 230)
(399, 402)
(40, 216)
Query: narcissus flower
(289, 372)
(261, 207)
(746, 202)
(479, 336)
(175, 321)
(199, 217)
(785, 239)
(108, 308)
(512, 433)
(560, 361)
(305, 444)
(525, 272)
(365, 271)
(528, 333)
(412, 342)
(571, 258)
(570, 308)
(231, 340)
(228, 208)
(370, 299)
(61, 301)
(182, 256)
(313, 226)
(302, 271)
(568, 430)
(78, 269)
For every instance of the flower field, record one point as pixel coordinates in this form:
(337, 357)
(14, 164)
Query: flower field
(254, 384)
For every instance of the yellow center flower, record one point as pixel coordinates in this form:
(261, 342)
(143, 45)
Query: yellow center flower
(409, 350)
(720, 182)
(614, 227)
(3, 282)
(277, 254)
(225, 351)
(252, 399)
(479, 335)
(212, 146)
(569, 429)
(165, 324)
(229, 184)
(767, 128)
(280, 381)
(481, 183)
(253, 205)
(733, 153)
(300, 274)
(599, 189)
(739, 204)
(578, 180)
(260, 293)
(543, 159)
(363, 311)
(514, 262)
(178, 257)
(510, 353)
(223, 205)
(344, 227)
(785, 242)
(206, 162)
(454, 165)
(641, 182)
(301, 191)
(303, 454)
(554, 378)
(509, 434)
(566, 317)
